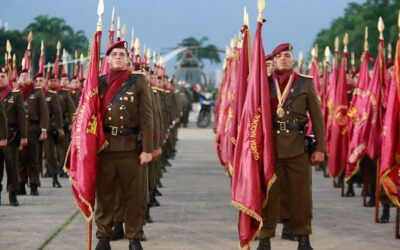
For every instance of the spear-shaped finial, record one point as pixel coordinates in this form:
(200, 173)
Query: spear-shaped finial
(30, 37)
(148, 55)
(244, 15)
(144, 49)
(100, 11)
(132, 37)
(345, 42)
(313, 52)
(327, 54)
(300, 60)
(398, 21)
(118, 28)
(48, 68)
(8, 48)
(112, 19)
(58, 47)
(82, 59)
(366, 47)
(337, 44)
(137, 46)
(260, 7)
(76, 55)
(123, 32)
(352, 58)
(154, 57)
(389, 51)
(23, 62)
(381, 27)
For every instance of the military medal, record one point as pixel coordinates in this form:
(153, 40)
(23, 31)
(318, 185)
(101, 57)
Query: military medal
(282, 97)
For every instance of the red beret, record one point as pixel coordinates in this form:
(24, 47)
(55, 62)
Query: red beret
(22, 71)
(52, 76)
(74, 77)
(268, 57)
(40, 74)
(390, 63)
(3, 69)
(282, 47)
(64, 75)
(120, 45)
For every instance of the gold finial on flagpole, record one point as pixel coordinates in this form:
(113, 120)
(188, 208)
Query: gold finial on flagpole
(123, 32)
(148, 55)
(100, 11)
(337, 44)
(389, 51)
(8, 48)
(58, 47)
(313, 53)
(42, 48)
(132, 37)
(398, 21)
(352, 58)
(137, 46)
(260, 7)
(30, 37)
(48, 68)
(82, 59)
(300, 60)
(381, 27)
(118, 28)
(76, 55)
(65, 60)
(244, 15)
(112, 18)
(366, 47)
(345, 42)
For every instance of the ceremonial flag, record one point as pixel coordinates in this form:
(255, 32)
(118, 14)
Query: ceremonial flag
(105, 66)
(390, 161)
(87, 138)
(56, 68)
(314, 72)
(254, 171)
(339, 134)
(41, 61)
(357, 120)
(239, 95)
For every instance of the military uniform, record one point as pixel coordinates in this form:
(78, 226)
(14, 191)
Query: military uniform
(53, 139)
(16, 123)
(128, 114)
(37, 116)
(68, 109)
(292, 158)
(76, 97)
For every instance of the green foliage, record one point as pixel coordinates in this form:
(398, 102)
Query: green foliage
(356, 17)
(202, 51)
(48, 29)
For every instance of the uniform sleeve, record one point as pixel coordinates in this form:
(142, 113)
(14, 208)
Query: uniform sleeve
(161, 113)
(43, 111)
(178, 104)
(3, 122)
(145, 114)
(156, 121)
(70, 107)
(56, 104)
(317, 120)
(21, 115)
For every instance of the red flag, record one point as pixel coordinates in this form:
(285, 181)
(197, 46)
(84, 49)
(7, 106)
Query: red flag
(254, 170)
(41, 64)
(324, 86)
(14, 73)
(329, 100)
(239, 95)
(87, 139)
(27, 64)
(56, 68)
(357, 122)
(105, 66)
(390, 161)
(314, 72)
(80, 73)
(339, 134)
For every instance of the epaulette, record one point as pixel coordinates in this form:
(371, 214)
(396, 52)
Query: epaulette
(52, 91)
(15, 90)
(176, 91)
(306, 76)
(38, 87)
(137, 72)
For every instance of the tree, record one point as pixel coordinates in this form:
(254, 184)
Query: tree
(202, 51)
(50, 30)
(356, 17)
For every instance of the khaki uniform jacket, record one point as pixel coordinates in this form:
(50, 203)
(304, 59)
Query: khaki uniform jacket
(36, 110)
(302, 99)
(55, 111)
(3, 123)
(67, 106)
(76, 97)
(156, 119)
(133, 109)
(15, 112)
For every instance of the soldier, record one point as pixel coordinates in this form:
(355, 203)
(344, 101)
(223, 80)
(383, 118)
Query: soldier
(269, 61)
(186, 101)
(76, 89)
(37, 119)
(15, 127)
(128, 124)
(68, 109)
(292, 158)
(56, 130)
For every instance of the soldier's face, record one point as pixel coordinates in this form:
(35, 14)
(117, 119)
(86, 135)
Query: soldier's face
(284, 61)
(118, 59)
(3, 80)
(270, 67)
(53, 83)
(39, 82)
(64, 82)
(75, 84)
(24, 79)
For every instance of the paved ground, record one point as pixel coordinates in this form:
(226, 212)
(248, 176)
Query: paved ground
(195, 212)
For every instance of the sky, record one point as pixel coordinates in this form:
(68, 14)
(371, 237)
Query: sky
(163, 24)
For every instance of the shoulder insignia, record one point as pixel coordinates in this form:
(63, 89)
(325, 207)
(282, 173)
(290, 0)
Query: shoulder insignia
(15, 90)
(176, 91)
(306, 76)
(48, 98)
(129, 93)
(137, 72)
(38, 87)
(52, 91)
